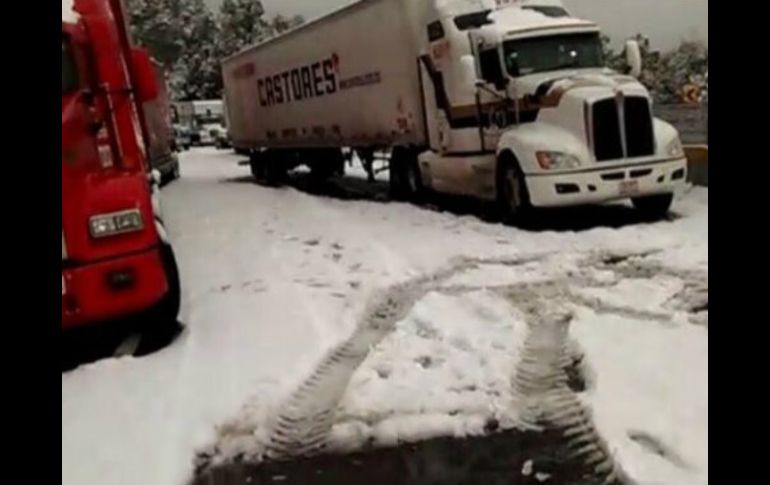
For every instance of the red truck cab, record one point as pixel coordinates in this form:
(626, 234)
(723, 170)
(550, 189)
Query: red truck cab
(116, 260)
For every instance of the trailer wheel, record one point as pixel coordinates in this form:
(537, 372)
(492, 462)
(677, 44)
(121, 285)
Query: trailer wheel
(258, 168)
(653, 207)
(325, 163)
(275, 170)
(512, 196)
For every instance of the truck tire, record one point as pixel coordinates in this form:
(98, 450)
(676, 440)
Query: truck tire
(653, 206)
(512, 195)
(162, 324)
(275, 170)
(405, 177)
(258, 167)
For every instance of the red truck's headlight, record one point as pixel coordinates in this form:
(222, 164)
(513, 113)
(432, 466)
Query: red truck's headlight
(104, 225)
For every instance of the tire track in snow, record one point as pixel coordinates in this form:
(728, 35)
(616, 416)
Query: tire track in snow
(547, 401)
(550, 370)
(307, 418)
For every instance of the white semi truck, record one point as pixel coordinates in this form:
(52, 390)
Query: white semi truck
(508, 101)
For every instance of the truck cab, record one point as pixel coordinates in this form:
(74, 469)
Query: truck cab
(116, 258)
(522, 110)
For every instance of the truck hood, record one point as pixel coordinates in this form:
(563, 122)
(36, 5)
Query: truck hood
(551, 88)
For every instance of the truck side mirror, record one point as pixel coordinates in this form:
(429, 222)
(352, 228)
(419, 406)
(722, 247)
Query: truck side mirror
(146, 87)
(502, 83)
(634, 58)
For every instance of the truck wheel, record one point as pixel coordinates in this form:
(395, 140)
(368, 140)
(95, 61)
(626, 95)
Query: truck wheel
(275, 171)
(653, 206)
(162, 322)
(512, 196)
(338, 163)
(258, 168)
(405, 177)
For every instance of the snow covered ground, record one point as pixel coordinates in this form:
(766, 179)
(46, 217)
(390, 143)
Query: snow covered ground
(273, 278)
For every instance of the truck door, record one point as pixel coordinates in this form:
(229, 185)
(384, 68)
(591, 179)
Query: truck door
(495, 107)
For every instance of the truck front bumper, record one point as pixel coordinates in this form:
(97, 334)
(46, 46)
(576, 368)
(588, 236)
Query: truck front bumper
(112, 289)
(605, 184)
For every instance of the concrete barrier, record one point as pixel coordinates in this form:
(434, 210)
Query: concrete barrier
(692, 121)
(697, 164)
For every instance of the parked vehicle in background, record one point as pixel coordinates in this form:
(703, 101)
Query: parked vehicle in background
(223, 137)
(161, 145)
(510, 103)
(182, 137)
(222, 140)
(205, 119)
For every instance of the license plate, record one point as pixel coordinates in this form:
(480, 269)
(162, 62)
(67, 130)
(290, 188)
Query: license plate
(629, 187)
(63, 286)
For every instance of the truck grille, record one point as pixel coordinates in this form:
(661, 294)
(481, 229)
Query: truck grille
(607, 133)
(640, 140)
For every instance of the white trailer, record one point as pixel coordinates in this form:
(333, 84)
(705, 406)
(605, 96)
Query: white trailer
(507, 101)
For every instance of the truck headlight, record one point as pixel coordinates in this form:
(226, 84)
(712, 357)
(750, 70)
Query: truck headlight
(104, 225)
(551, 160)
(674, 148)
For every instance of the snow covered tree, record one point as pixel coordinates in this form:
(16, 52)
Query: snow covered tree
(198, 70)
(181, 34)
(280, 24)
(665, 75)
(156, 24)
(191, 42)
(686, 65)
(241, 23)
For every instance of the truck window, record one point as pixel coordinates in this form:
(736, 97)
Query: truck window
(69, 70)
(539, 54)
(491, 71)
(435, 31)
(473, 20)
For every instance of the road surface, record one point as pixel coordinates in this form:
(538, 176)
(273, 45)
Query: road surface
(275, 278)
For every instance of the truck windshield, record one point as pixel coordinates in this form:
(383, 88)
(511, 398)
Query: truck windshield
(539, 54)
(69, 71)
